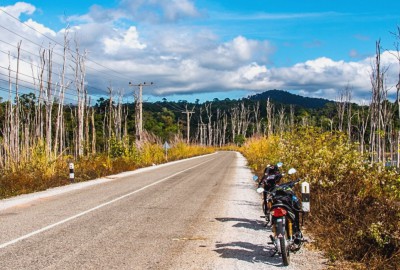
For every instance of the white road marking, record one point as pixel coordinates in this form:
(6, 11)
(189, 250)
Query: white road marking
(94, 208)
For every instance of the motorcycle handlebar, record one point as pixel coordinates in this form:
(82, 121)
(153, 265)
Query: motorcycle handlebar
(291, 183)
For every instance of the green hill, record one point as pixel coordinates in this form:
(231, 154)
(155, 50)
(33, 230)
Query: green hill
(280, 96)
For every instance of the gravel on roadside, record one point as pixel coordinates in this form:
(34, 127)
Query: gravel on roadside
(231, 233)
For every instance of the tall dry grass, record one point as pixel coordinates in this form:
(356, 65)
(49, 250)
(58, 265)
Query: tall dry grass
(355, 206)
(39, 172)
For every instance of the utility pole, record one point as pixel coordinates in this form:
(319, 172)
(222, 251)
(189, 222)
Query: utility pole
(139, 109)
(188, 116)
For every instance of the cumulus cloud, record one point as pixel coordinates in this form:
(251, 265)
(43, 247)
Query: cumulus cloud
(127, 40)
(20, 8)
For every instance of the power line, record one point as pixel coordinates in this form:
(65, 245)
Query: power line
(44, 69)
(15, 92)
(17, 19)
(88, 86)
(52, 60)
(29, 87)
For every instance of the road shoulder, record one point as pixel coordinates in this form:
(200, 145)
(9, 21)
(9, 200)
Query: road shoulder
(231, 235)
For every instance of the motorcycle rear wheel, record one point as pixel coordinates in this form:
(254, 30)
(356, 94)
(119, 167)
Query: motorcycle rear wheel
(284, 251)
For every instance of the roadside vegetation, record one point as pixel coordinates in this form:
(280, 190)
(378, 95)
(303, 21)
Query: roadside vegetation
(40, 172)
(355, 205)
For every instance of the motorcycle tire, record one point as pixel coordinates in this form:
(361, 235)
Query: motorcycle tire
(284, 251)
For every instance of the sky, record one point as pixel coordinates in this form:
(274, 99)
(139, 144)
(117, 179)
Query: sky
(205, 49)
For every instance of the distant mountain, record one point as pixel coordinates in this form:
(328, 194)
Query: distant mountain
(280, 96)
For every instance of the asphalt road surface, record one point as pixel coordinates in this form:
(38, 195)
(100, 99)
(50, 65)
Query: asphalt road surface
(199, 213)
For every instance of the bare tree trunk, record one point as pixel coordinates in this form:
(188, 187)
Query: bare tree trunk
(110, 116)
(41, 94)
(49, 103)
(80, 73)
(125, 136)
(87, 128)
(234, 119)
(269, 118)
(209, 125)
(17, 105)
(281, 120)
(224, 127)
(349, 116)
(257, 122)
(202, 128)
(292, 117)
(93, 134)
(380, 113)
(244, 119)
(58, 144)
(363, 119)
(397, 55)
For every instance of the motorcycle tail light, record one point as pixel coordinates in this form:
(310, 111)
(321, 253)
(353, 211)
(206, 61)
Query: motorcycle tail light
(279, 212)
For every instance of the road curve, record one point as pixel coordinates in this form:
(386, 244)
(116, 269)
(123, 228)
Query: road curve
(200, 213)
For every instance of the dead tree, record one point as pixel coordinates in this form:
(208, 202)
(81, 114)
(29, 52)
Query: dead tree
(93, 133)
(63, 85)
(17, 110)
(376, 107)
(244, 120)
(81, 92)
(397, 55)
(209, 125)
(269, 117)
(281, 120)
(363, 118)
(224, 127)
(343, 101)
(257, 121)
(234, 119)
(292, 117)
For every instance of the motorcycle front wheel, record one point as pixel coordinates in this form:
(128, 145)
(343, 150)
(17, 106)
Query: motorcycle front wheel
(267, 212)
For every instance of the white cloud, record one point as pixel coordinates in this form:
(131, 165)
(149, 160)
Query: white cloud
(40, 28)
(237, 52)
(20, 8)
(128, 40)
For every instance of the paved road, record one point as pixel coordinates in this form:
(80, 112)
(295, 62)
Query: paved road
(184, 215)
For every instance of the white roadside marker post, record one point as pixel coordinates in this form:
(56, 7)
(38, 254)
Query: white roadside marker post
(71, 173)
(305, 196)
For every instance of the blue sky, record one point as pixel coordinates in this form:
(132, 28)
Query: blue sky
(224, 49)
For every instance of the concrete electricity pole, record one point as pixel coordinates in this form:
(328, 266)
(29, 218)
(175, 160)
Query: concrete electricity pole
(139, 109)
(188, 116)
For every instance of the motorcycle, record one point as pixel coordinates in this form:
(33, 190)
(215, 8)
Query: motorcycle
(285, 221)
(270, 179)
